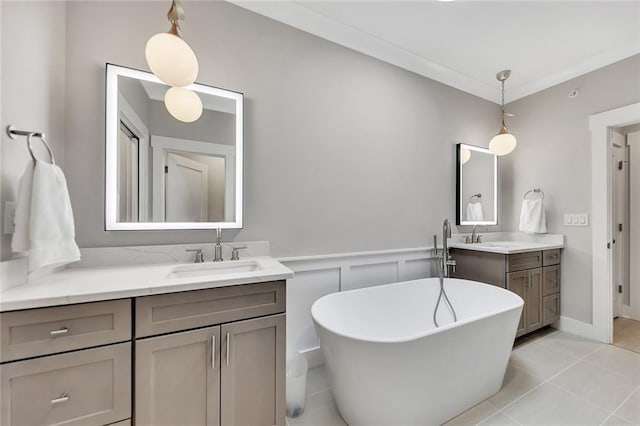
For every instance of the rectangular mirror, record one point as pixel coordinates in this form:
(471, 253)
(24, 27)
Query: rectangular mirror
(476, 186)
(164, 173)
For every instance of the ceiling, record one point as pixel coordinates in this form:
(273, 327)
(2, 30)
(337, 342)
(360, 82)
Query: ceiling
(464, 43)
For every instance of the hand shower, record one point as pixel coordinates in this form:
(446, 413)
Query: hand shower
(442, 266)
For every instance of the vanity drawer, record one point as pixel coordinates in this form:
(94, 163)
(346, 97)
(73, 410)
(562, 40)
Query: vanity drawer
(551, 257)
(91, 386)
(522, 261)
(550, 280)
(550, 309)
(44, 331)
(166, 313)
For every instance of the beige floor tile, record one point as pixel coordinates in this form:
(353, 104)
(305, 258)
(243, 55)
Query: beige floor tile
(516, 383)
(541, 360)
(601, 387)
(320, 410)
(500, 419)
(630, 410)
(317, 380)
(570, 344)
(618, 360)
(549, 405)
(617, 421)
(474, 415)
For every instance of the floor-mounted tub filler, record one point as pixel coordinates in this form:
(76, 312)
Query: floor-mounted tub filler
(390, 365)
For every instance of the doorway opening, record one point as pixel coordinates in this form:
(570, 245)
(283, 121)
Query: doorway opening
(625, 203)
(603, 221)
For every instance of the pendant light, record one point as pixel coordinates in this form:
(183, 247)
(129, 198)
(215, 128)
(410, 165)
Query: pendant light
(183, 104)
(504, 142)
(169, 57)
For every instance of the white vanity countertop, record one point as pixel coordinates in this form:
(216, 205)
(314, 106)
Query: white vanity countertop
(509, 242)
(80, 285)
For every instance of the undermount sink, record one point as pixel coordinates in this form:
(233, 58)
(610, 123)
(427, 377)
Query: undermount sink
(216, 269)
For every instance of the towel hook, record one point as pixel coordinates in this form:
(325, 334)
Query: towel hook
(12, 132)
(478, 195)
(535, 191)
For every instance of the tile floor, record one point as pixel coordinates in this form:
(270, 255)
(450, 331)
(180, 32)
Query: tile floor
(626, 334)
(555, 378)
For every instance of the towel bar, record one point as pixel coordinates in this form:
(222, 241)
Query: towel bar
(12, 132)
(535, 191)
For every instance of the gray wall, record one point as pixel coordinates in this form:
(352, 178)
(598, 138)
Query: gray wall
(343, 152)
(554, 153)
(33, 90)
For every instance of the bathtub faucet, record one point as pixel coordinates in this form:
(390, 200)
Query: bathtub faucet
(447, 261)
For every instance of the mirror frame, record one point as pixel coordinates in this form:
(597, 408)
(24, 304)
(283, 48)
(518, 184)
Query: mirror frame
(111, 154)
(459, 203)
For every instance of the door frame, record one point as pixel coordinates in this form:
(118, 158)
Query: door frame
(601, 215)
(162, 144)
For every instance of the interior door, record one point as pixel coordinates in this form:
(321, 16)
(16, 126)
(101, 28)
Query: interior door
(187, 189)
(618, 232)
(127, 199)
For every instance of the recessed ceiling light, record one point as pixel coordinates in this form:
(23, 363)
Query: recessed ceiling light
(574, 93)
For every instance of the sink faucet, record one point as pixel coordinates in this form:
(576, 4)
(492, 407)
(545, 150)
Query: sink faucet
(217, 257)
(199, 257)
(474, 237)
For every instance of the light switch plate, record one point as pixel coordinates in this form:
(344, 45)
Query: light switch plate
(9, 217)
(576, 219)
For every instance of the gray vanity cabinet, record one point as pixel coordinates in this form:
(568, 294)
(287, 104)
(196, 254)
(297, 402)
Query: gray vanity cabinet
(178, 379)
(219, 359)
(534, 276)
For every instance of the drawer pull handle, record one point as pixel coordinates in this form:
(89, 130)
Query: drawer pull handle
(228, 344)
(63, 398)
(63, 330)
(213, 352)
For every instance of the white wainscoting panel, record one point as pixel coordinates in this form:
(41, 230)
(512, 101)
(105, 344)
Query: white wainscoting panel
(317, 276)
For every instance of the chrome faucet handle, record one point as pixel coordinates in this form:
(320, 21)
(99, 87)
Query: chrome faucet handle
(479, 239)
(199, 258)
(234, 253)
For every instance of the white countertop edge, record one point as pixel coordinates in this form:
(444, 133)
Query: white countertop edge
(507, 250)
(56, 293)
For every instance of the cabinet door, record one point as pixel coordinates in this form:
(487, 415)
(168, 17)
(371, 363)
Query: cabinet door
(517, 282)
(551, 280)
(533, 302)
(178, 379)
(253, 372)
(551, 306)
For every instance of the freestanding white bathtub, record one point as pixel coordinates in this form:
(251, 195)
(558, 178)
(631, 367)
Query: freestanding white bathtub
(388, 363)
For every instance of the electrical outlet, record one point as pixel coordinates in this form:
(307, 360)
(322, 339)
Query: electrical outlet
(9, 217)
(576, 219)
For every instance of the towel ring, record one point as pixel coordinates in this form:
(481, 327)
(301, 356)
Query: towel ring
(12, 132)
(535, 191)
(478, 195)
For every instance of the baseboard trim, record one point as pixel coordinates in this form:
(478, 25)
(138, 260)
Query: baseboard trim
(574, 326)
(314, 357)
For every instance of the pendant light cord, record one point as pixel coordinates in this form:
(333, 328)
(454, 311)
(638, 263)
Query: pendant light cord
(502, 102)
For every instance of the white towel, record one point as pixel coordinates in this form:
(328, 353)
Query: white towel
(474, 212)
(533, 219)
(44, 227)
